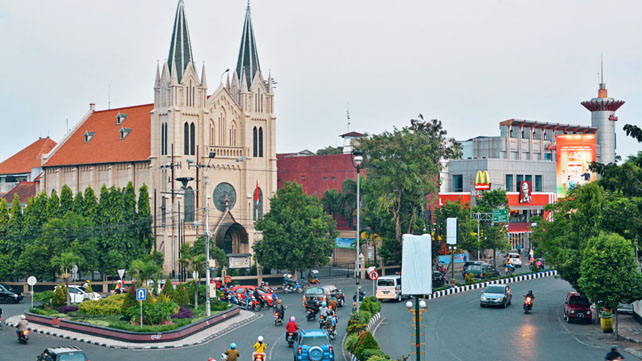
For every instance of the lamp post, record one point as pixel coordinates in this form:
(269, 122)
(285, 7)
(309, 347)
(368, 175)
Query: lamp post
(420, 307)
(357, 161)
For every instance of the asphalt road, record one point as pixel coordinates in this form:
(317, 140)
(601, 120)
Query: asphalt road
(244, 337)
(456, 328)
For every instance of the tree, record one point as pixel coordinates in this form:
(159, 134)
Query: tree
(90, 207)
(466, 240)
(144, 219)
(144, 271)
(297, 234)
(53, 205)
(5, 246)
(329, 150)
(610, 272)
(349, 200)
(494, 234)
(403, 167)
(66, 200)
(65, 262)
(331, 202)
(193, 259)
(79, 204)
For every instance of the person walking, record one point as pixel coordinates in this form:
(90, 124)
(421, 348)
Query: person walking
(519, 249)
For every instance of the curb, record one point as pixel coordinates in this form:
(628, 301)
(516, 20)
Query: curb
(103, 344)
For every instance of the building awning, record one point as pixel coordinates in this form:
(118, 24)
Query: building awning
(517, 228)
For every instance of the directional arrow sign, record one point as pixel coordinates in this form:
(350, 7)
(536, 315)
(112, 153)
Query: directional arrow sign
(500, 215)
(141, 294)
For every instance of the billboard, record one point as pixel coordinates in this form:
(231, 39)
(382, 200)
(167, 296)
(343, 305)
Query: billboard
(574, 154)
(525, 192)
(416, 265)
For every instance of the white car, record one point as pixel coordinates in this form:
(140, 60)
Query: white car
(514, 259)
(78, 294)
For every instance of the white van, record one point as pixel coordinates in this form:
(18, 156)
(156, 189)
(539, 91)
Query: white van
(389, 288)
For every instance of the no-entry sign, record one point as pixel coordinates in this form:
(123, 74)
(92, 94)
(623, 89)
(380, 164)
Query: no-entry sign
(373, 275)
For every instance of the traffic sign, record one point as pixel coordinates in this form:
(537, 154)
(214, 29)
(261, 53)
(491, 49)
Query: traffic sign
(500, 215)
(141, 294)
(373, 275)
(121, 273)
(31, 281)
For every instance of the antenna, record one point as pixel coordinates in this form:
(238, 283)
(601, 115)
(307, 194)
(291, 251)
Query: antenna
(601, 69)
(348, 116)
(109, 96)
(67, 125)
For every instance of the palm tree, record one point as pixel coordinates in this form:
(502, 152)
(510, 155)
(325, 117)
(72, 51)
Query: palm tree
(332, 202)
(66, 261)
(144, 270)
(349, 199)
(194, 261)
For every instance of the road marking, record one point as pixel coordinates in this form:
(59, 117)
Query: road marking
(273, 346)
(572, 335)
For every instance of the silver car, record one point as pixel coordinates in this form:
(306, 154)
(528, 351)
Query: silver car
(496, 295)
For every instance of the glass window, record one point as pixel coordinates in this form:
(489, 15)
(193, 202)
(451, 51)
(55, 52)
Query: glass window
(261, 142)
(529, 178)
(254, 142)
(186, 139)
(314, 341)
(458, 183)
(519, 179)
(548, 156)
(538, 183)
(509, 182)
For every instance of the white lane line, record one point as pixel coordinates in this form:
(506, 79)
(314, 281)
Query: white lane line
(570, 333)
(273, 346)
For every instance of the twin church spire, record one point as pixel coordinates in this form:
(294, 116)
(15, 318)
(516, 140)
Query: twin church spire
(180, 50)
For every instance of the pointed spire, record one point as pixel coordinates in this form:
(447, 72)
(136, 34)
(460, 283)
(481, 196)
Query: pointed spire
(180, 49)
(227, 83)
(203, 77)
(245, 83)
(157, 81)
(270, 86)
(174, 80)
(248, 61)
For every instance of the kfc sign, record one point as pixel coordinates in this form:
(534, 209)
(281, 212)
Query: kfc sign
(525, 192)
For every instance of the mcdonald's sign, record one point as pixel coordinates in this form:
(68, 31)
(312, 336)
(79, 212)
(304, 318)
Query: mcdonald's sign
(482, 181)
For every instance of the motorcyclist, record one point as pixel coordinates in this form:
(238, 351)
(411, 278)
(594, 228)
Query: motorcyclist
(331, 321)
(530, 294)
(23, 324)
(291, 327)
(288, 282)
(232, 353)
(257, 295)
(259, 347)
(613, 355)
(248, 299)
(280, 309)
(361, 295)
(323, 311)
(312, 306)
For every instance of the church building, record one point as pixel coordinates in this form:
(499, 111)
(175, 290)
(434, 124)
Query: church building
(173, 145)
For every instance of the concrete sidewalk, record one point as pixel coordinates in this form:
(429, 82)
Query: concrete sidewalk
(197, 338)
(630, 331)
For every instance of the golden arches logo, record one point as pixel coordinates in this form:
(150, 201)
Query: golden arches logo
(482, 180)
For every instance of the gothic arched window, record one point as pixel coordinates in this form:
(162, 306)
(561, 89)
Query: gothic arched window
(261, 142)
(192, 139)
(186, 139)
(189, 205)
(254, 143)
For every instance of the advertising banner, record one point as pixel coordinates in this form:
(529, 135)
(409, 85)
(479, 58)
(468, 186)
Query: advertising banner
(345, 242)
(416, 265)
(574, 154)
(459, 258)
(525, 192)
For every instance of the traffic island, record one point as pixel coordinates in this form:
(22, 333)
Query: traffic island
(233, 319)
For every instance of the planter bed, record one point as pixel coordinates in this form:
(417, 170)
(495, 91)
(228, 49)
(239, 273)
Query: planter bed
(132, 336)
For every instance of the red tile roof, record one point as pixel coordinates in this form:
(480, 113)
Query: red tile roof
(28, 158)
(351, 134)
(24, 190)
(106, 145)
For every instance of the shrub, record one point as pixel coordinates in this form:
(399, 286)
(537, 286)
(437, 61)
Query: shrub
(67, 309)
(219, 306)
(374, 355)
(351, 341)
(470, 278)
(154, 313)
(181, 296)
(168, 289)
(358, 322)
(487, 276)
(112, 305)
(130, 298)
(366, 342)
(183, 312)
(44, 298)
(59, 297)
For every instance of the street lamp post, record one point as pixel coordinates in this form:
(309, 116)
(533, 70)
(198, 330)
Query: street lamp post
(420, 307)
(357, 161)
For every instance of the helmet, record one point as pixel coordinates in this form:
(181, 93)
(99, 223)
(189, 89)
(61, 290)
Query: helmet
(211, 359)
(23, 317)
(292, 319)
(324, 304)
(278, 301)
(260, 339)
(614, 347)
(232, 345)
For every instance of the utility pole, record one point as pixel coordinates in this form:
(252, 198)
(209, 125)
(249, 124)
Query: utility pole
(206, 182)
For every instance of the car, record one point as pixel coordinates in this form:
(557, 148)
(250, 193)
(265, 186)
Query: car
(240, 293)
(438, 278)
(313, 345)
(67, 353)
(515, 260)
(577, 308)
(479, 271)
(467, 264)
(319, 294)
(626, 308)
(496, 295)
(8, 295)
(78, 294)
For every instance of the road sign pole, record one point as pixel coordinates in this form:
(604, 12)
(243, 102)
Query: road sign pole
(141, 313)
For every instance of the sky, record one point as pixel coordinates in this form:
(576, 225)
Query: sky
(469, 63)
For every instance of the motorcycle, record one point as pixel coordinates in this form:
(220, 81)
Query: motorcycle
(278, 319)
(258, 357)
(256, 304)
(290, 338)
(311, 313)
(23, 336)
(293, 287)
(528, 303)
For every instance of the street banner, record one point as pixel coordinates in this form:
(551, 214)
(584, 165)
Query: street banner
(574, 154)
(459, 258)
(345, 242)
(416, 265)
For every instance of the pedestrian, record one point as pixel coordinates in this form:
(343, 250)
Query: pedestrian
(519, 249)
(613, 355)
